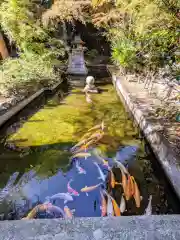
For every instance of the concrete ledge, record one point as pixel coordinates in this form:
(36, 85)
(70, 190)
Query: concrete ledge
(160, 146)
(20, 106)
(114, 228)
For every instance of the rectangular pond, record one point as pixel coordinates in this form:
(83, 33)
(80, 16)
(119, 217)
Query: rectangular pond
(40, 179)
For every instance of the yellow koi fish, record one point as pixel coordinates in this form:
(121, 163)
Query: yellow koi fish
(117, 183)
(101, 126)
(86, 136)
(89, 189)
(81, 154)
(78, 144)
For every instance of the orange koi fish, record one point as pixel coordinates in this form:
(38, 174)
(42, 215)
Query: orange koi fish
(136, 195)
(132, 185)
(124, 182)
(129, 189)
(103, 206)
(68, 213)
(112, 179)
(89, 189)
(117, 211)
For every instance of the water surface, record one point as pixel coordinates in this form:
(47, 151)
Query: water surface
(38, 148)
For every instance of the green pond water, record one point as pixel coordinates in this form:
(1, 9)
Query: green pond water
(41, 143)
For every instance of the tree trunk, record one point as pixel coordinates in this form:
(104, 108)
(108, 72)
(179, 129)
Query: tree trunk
(3, 49)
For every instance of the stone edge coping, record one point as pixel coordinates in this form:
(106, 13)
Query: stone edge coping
(21, 105)
(98, 228)
(160, 146)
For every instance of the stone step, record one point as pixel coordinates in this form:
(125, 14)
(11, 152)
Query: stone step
(108, 228)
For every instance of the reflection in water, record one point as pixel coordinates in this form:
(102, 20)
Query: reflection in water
(62, 194)
(92, 182)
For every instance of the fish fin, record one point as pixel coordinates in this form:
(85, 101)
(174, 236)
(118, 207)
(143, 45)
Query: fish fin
(87, 194)
(65, 201)
(73, 210)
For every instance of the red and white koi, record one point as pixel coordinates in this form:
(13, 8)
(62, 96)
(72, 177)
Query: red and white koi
(71, 190)
(80, 169)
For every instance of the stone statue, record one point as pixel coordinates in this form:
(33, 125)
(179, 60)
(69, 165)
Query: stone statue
(90, 87)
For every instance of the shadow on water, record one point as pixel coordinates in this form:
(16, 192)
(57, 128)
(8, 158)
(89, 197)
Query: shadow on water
(37, 146)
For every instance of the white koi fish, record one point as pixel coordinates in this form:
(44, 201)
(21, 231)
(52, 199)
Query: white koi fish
(110, 210)
(102, 176)
(121, 166)
(148, 210)
(122, 205)
(65, 196)
(80, 169)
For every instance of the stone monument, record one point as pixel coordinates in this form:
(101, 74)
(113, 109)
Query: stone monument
(90, 86)
(76, 65)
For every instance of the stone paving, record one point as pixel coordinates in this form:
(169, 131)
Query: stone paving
(108, 228)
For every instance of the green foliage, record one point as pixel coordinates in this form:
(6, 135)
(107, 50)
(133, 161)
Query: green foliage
(91, 54)
(142, 33)
(37, 50)
(25, 74)
(123, 52)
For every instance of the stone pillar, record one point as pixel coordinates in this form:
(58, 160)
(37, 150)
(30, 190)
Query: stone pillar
(76, 65)
(3, 49)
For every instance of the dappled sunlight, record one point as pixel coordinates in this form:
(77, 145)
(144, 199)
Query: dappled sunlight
(68, 121)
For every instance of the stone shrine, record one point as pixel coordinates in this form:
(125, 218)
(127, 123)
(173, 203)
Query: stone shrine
(76, 65)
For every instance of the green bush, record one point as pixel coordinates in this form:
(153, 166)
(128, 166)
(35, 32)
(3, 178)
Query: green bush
(26, 74)
(37, 50)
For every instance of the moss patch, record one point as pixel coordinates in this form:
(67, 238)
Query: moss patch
(59, 125)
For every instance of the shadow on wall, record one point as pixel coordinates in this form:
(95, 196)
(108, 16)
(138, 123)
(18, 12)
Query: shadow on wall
(92, 38)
